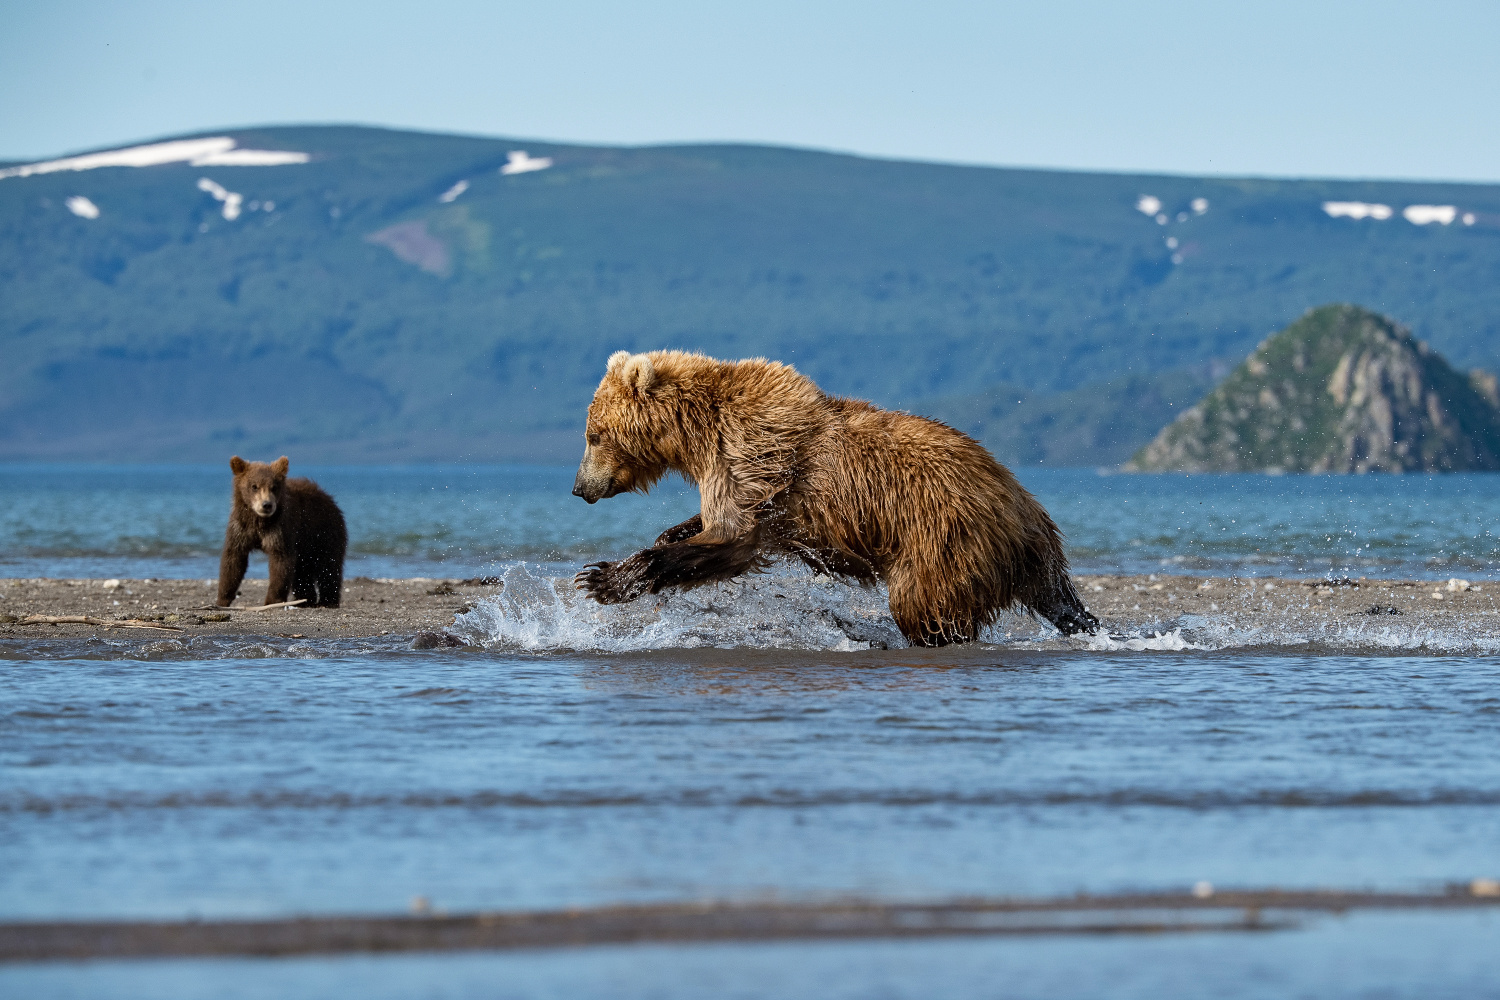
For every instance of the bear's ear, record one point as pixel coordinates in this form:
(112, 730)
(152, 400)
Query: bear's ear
(635, 370)
(639, 373)
(280, 465)
(238, 465)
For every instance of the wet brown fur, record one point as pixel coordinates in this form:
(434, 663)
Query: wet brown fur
(852, 490)
(303, 536)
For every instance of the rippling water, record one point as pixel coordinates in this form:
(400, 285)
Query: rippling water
(738, 743)
(168, 521)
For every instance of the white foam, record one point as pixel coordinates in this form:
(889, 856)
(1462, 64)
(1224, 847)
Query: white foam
(1219, 632)
(1148, 205)
(215, 151)
(1163, 641)
(82, 207)
(783, 609)
(452, 193)
(1421, 215)
(522, 163)
(231, 199)
(1199, 206)
(790, 608)
(1357, 210)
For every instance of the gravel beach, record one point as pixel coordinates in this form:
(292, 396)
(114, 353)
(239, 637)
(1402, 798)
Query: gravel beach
(369, 607)
(394, 607)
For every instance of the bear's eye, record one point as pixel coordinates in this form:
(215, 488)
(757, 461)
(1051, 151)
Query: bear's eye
(594, 438)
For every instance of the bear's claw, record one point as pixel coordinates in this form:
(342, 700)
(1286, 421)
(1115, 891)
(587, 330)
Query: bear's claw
(613, 582)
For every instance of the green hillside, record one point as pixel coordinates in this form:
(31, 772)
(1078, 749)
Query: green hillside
(362, 318)
(1340, 390)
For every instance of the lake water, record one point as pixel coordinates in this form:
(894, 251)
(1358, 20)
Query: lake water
(273, 778)
(168, 521)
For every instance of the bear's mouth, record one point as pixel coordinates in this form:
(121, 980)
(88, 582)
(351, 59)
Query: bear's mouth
(593, 490)
(588, 497)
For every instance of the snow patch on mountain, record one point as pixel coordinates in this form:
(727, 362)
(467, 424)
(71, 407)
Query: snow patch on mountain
(218, 151)
(1357, 210)
(520, 162)
(1421, 215)
(231, 199)
(82, 207)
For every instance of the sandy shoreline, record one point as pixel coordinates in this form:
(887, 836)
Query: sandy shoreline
(369, 608)
(412, 606)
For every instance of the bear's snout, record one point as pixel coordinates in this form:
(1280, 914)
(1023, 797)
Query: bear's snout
(595, 480)
(265, 506)
(592, 490)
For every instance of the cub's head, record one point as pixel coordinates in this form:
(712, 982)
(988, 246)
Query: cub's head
(630, 429)
(260, 486)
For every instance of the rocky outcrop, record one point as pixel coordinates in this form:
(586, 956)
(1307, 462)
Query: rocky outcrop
(1340, 390)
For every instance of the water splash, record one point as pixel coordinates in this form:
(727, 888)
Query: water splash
(784, 609)
(790, 608)
(1171, 641)
(1470, 636)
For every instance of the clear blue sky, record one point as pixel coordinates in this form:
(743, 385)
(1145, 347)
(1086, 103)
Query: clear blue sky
(1280, 88)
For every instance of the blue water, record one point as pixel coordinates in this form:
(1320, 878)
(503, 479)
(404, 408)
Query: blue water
(265, 776)
(168, 521)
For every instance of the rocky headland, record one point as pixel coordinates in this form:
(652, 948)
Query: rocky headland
(1342, 389)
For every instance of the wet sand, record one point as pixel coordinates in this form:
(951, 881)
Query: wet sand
(395, 607)
(369, 608)
(1126, 913)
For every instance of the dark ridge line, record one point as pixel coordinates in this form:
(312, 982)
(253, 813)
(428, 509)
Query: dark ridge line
(1269, 798)
(1126, 913)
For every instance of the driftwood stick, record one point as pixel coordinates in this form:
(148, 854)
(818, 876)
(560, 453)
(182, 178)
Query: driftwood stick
(87, 620)
(263, 607)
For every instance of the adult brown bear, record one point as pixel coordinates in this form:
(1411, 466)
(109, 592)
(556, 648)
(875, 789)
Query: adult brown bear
(848, 488)
(297, 525)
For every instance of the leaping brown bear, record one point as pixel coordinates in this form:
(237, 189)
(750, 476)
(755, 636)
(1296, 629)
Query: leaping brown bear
(850, 489)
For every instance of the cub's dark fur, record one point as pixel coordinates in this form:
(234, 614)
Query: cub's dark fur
(297, 525)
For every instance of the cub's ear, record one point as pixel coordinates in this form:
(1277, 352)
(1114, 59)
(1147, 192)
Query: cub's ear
(238, 465)
(280, 465)
(615, 361)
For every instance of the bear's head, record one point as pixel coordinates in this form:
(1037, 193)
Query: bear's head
(260, 486)
(630, 431)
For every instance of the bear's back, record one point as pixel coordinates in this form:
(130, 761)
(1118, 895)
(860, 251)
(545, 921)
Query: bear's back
(308, 501)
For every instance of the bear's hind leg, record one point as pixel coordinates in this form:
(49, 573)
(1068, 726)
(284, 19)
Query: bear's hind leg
(321, 586)
(923, 618)
(330, 586)
(1061, 605)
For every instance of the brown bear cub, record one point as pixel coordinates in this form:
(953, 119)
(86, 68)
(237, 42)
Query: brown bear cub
(297, 525)
(850, 489)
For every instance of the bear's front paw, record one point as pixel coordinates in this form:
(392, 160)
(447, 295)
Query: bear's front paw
(614, 582)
